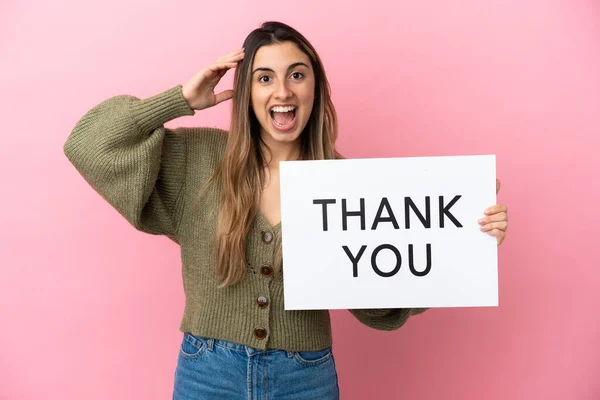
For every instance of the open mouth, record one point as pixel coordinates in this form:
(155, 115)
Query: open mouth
(283, 118)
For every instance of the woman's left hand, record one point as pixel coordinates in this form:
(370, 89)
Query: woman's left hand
(495, 221)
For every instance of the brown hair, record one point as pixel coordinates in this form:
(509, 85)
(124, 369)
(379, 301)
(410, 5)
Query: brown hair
(241, 172)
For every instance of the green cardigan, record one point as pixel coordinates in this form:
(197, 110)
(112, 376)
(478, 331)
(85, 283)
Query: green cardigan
(152, 176)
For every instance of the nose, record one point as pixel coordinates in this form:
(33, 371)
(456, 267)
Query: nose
(282, 91)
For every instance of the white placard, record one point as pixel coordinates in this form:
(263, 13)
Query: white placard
(322, 244)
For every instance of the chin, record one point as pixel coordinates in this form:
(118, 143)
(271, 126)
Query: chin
(280, 137)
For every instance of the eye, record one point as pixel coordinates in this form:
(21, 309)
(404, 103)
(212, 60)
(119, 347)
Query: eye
(264, 76)
(298, 74)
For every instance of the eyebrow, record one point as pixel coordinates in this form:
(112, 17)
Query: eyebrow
(294, 65)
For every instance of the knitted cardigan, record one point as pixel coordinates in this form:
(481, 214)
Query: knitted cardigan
(152, 176)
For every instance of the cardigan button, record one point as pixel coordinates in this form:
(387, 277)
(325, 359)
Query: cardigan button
(260, 333)
(266, 270)
(262, 301)
(267, 237)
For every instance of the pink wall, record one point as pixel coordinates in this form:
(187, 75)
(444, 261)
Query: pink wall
(90, 308)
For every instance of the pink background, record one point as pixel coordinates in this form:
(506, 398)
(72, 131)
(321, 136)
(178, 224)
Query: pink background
(90, 308)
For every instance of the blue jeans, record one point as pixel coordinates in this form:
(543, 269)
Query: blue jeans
(216, 369)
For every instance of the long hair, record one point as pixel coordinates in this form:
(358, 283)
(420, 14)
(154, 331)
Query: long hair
(241, 172)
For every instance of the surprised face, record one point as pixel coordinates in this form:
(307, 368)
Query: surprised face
(282, 92)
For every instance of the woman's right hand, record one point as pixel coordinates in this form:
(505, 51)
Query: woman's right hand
(199, 90)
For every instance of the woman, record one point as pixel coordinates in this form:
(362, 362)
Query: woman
(216, 194)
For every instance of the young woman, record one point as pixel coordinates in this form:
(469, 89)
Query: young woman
(216, 194)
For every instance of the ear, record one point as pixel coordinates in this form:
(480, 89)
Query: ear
(497, 185)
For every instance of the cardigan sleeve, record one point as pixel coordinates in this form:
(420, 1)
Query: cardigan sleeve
(122, 149)
(386, 319)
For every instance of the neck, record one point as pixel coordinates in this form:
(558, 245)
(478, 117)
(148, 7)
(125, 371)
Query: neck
(279, 151)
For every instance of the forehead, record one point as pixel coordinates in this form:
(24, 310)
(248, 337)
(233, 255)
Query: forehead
(279, 56)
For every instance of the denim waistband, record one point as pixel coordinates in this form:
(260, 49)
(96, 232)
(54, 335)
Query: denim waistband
(210, 342)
